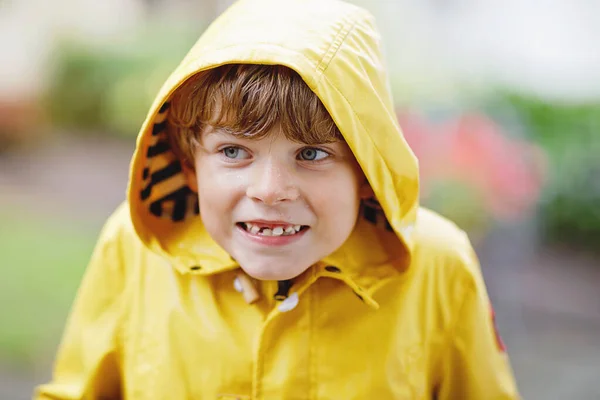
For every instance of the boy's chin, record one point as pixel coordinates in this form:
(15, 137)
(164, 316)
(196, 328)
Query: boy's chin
(271, 273)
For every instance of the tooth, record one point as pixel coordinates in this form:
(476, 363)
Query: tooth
(297, 227)
(267, 232)
(278, 231)
(289, 229)
(254, 229)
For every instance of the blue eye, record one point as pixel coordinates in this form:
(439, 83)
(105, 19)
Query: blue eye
(234, 152)
(312, 154)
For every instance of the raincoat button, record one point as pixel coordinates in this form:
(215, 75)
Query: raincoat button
(331, 268)
(289, 303)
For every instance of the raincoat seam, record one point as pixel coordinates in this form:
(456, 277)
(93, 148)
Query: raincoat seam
(335, 46)
(215, 50)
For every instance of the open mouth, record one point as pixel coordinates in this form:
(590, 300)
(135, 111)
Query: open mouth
(271, 229)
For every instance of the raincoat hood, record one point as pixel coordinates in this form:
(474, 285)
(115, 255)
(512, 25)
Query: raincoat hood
(335, 48)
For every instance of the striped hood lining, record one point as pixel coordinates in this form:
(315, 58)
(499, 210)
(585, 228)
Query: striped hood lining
(165, 191)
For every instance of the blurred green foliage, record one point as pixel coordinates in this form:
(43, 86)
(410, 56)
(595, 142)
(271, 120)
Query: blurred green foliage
(570, 134)
(109, 87)
(455, 199)
(42, 263)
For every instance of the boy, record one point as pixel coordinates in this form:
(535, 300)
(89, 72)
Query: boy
(272, 245)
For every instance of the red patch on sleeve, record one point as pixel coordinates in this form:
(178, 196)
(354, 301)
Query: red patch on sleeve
(499, 340)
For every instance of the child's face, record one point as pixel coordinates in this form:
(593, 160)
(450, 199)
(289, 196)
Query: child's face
(277, 206)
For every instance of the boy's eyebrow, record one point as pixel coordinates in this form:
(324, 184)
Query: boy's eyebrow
(226, 132)
(220, 132)
(240, 136)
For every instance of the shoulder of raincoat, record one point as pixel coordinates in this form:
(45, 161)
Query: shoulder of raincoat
(400, 311)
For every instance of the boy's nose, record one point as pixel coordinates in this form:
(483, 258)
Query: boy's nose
(272, 184)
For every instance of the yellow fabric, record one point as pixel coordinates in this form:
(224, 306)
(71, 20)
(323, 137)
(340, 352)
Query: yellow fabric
(399, 313)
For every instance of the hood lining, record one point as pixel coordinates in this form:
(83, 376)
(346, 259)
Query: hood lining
(165, 193)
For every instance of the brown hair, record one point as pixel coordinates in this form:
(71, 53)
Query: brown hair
(247, 100)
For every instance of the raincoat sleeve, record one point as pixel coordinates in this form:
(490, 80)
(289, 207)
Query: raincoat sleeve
(87, 364)
(475, 365)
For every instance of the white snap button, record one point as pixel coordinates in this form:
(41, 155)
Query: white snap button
(237, 285)
(289, 303)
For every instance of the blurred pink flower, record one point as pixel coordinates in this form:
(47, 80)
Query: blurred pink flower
(507, 173)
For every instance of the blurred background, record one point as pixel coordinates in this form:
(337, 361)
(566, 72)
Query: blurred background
(499, 99)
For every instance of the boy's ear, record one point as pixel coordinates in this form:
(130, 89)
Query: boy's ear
(365, 191)
(190, 176)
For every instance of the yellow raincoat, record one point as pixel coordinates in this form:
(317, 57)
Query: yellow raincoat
(400, 311)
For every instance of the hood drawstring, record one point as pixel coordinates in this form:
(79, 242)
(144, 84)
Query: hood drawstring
(244, 284)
